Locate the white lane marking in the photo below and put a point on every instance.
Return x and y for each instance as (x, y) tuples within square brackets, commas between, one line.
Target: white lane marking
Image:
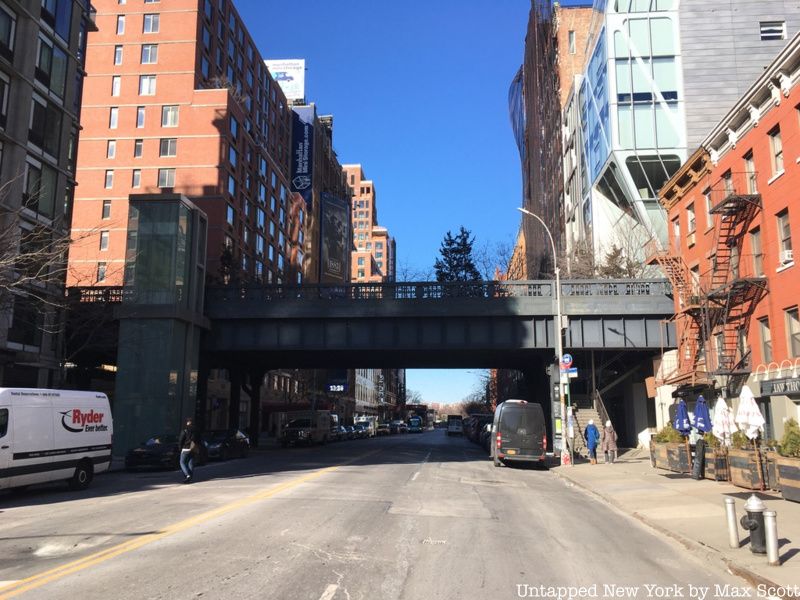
[(329, 592), (8, 582), (414, 478)]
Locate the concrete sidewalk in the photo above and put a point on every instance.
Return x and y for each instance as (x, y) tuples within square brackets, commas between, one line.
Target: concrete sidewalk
[(693, 512)]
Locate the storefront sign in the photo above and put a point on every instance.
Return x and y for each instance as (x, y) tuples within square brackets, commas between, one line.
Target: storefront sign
[(780, 387)]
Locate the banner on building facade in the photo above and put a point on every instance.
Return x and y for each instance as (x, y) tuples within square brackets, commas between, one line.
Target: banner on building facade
[(335, 238), (303, 152)]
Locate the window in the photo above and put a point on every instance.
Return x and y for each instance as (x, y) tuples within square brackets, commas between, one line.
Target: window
[(117, 55), (101, 272), (103, 240), (116, 84), (111, 149), (234, 128), (8, 24), (3, 100), (40, 188), (51, 67), (169, 116), (229, 214), (784, 237), (149, 54), (360, 261), (766, 340), (772, 30), (109, 183), (777, 150), (691, 220), (136, 178), (232, 156), (147, 85), (758, 257), (168, 147), (45, 126), (166, 178), (113, 117), (140, 116), (3, 421), (793, 331), (151, 23), (571, 37), (750, 173), (137, 148), (120, 24), (106, 209), (151, 1)]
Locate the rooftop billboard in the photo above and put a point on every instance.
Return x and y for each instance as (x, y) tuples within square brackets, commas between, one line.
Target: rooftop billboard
[(290, 74)]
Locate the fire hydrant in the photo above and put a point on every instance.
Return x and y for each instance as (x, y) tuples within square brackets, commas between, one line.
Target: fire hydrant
[(753, 521)]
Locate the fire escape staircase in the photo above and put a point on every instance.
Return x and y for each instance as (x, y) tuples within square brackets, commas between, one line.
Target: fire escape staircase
[(689, 319), (732, 296)]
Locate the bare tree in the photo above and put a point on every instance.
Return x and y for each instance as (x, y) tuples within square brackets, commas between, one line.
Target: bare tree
[(414, 397), (493, 258), (578, 262), (407, 272)]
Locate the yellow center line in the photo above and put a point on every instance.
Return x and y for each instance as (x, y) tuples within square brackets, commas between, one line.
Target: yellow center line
[(40, 579)]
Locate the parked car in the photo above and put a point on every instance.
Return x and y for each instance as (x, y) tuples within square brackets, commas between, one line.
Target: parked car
[(351, 432), (159, 451), (223, 444), (383, 429), (403, 427), (394, 427), (519, 433), (343, 433)]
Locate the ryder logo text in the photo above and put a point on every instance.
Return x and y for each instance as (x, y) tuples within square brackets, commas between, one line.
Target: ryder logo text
[(77, 421)]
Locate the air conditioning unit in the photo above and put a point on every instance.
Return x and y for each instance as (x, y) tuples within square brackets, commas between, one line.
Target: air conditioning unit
[(691, 239), (786, 257)]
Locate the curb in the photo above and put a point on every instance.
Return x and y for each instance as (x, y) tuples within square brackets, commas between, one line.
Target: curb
[(694, 546)]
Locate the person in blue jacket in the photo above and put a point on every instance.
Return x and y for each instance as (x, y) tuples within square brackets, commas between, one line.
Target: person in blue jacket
[(592, 436)]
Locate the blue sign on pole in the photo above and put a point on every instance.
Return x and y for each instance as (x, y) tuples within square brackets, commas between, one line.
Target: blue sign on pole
[(566, 361)]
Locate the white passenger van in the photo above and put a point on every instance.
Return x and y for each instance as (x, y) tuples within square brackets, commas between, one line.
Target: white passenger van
[(52, 435)]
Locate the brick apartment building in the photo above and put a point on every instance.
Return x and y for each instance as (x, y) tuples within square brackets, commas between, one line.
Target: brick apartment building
[(373, 258), (733, 213), (42, 49), (178, 99)]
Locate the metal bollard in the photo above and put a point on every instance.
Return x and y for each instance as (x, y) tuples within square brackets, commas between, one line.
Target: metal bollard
[(733, 528), (771, 529), (753, 521)]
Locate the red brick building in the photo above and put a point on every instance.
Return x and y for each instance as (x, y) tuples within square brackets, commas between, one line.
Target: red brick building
[(178, 99), (734, 211)]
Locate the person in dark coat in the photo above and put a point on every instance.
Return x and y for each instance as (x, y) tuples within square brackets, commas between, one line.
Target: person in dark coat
[(592, 437), (187, 444), (609, 443)]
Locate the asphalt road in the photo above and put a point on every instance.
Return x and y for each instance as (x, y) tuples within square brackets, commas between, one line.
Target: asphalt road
[(411, 516)]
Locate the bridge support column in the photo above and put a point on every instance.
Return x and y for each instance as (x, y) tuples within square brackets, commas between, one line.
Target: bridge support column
[(256, 377), (235, 400)]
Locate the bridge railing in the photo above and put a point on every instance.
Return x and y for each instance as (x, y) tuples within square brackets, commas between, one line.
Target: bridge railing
[(438, 291)]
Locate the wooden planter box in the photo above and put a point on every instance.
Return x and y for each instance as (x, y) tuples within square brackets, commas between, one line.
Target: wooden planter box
[(669, 456), (716, 465), (789, 477), (744, 469)]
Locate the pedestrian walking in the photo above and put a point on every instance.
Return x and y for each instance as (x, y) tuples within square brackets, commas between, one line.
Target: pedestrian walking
[(592, 437), (609, 443), (188, 445)]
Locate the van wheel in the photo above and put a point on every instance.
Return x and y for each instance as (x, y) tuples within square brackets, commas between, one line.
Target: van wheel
[(84, 473)]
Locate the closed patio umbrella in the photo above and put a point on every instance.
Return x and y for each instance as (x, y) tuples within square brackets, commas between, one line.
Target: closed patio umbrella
[(681, 422), (751, 421), (748, 416), (702, 420), (723, 421)]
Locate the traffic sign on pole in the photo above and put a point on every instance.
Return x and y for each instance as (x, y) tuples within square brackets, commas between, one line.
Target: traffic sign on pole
[(566, 361)]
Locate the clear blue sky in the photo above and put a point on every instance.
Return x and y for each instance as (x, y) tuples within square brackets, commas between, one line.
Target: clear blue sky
[(419, 95)]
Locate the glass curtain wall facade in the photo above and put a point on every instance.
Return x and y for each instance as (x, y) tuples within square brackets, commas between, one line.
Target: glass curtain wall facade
[(633, 124)]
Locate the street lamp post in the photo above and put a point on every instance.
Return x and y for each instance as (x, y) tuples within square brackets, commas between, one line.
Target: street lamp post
[(559, 342)]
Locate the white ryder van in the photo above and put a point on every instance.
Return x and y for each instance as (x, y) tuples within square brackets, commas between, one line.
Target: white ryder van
[(52, 435)]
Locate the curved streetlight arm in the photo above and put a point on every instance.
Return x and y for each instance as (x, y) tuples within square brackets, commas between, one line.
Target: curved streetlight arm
[(549, 235)]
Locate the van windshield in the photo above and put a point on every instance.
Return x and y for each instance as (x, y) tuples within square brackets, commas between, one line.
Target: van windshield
[(516, 418), (300, 423)]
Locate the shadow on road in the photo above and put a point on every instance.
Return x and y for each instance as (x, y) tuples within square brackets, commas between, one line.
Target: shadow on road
[(402, 449)]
